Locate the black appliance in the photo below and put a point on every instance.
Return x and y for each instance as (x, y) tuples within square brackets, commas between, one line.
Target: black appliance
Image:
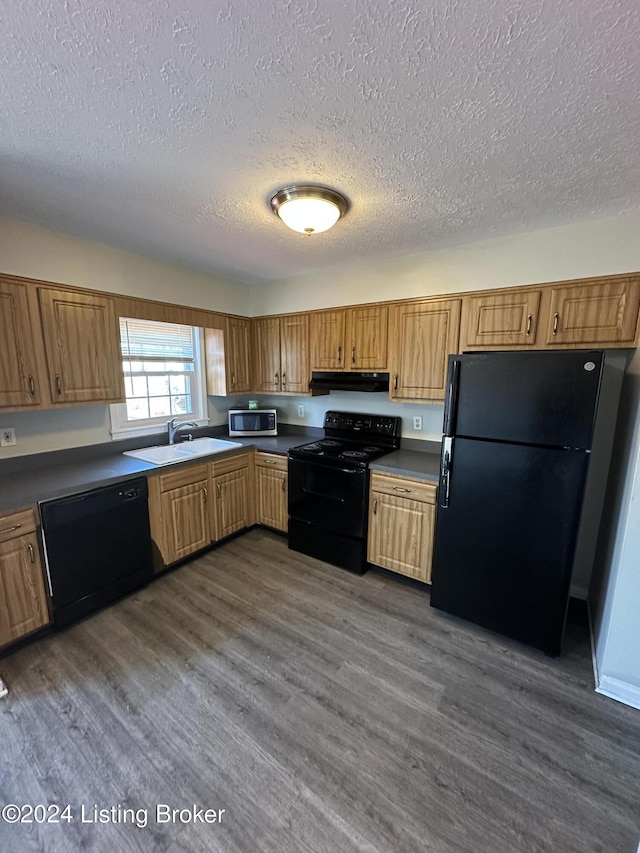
[(97, 547), (322, 382), (525, 458), (329, 487)]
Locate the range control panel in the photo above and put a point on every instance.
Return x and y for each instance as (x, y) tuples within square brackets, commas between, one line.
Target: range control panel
[(359, 424)]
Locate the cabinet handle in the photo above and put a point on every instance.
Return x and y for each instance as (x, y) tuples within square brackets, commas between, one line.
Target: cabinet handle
[(10, 529), (529, 321), (284, 379), (398, 489), (269, 461), (205, 492), (32, 387), (556, 317), (284, 485), (218, 490), (375, 507), (353, 355), (233, 379), (276, 380), (32, 556), (395, 383), (339, 355), (58, 384)]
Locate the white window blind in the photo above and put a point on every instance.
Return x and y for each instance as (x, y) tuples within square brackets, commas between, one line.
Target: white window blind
[(146, 341)]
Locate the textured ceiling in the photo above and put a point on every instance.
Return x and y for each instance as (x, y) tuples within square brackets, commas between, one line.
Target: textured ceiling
[(164, 127)]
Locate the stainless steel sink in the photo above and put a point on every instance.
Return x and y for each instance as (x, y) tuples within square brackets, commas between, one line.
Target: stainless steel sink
[(167, 454)]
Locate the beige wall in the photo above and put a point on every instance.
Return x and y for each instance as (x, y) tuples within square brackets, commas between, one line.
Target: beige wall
[(40, 253), (600, 247)]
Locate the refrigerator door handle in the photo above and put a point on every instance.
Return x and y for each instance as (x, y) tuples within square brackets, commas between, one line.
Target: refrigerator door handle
[(445, 472), (451, 404)]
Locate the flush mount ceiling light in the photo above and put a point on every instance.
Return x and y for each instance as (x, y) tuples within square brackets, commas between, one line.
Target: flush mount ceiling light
[(309, 209)]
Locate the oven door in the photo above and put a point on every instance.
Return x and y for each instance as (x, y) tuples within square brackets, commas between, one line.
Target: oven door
[(328, 496)]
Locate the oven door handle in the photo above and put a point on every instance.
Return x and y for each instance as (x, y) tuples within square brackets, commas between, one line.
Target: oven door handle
[(310, 463)]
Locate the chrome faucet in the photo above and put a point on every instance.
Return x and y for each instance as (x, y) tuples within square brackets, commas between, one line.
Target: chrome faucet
[(173, 428)]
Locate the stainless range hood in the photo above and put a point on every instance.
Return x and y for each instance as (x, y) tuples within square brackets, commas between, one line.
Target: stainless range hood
[(323, 382)]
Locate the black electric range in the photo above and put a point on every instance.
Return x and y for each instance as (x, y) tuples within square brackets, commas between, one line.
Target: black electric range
[(329, 487)]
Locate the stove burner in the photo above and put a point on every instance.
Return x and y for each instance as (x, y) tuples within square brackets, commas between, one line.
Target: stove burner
[(327, 442), (354, 454), (312, 448)]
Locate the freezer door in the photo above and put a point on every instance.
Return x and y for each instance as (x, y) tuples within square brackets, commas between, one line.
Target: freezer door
[(547, 398), (505, 543)]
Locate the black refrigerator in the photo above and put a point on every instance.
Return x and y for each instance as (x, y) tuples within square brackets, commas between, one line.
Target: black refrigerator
[(525, 455)]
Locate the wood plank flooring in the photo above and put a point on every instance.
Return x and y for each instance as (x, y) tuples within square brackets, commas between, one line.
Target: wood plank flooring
[(323, 711)]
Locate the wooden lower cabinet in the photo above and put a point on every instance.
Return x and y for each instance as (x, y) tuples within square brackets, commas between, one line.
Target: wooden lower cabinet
[(23, 601), (232, 495), (271, 491), (401, 525)]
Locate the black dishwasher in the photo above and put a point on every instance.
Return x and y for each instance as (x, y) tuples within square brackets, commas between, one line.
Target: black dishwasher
[(97, 547)]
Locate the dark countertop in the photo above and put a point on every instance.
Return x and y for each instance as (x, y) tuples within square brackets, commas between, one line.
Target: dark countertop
[(31, 482), (410, 463)]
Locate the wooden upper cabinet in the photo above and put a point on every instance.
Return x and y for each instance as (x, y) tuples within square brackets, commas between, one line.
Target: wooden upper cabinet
[(501, 319), (422, 335), (281, 354), (20, 376), (266, 343), (238, 360), (351, 339), (82, 340), (294, 353), (367, 338), (603, 312), (228, 357), (328, 340)]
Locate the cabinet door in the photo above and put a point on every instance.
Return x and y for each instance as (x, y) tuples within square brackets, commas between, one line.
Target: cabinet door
[(238, 363), (368, 338), (231, 496), (294, 353), (272, 497), (185, 520), (328, 340), (23, 603), (423, 334), (266, 342), (19, 375), (401, 535), (82, 340), (601, 313), (501, 319)]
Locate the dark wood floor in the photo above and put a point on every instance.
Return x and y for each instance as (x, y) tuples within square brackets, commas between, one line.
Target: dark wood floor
[(323, 711)]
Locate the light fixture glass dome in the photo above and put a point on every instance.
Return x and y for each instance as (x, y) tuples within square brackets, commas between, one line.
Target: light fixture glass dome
[(309, 209)]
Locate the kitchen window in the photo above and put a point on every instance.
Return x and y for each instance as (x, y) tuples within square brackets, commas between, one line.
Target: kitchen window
[(163, 376)]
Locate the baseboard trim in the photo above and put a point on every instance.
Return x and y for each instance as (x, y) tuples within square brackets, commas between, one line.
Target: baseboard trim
[(621, 691)]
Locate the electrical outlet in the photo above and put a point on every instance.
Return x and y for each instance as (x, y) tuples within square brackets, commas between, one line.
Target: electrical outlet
[(8, 437), (300, 411), (417, 422)]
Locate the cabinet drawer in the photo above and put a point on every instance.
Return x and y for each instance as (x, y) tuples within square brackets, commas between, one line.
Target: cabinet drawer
[(183, 476), (229, 464), (272, 460), (415, 490), (17, 524)]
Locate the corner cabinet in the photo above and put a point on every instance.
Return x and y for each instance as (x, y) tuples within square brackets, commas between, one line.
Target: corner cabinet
[(23, 602), (422, 335), (402, 516), (272, 491), (281, 347), (350, 339), (228, 359), (82, 341)]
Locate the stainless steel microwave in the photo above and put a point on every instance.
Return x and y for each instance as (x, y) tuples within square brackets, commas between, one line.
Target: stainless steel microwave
[(253, 422)]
